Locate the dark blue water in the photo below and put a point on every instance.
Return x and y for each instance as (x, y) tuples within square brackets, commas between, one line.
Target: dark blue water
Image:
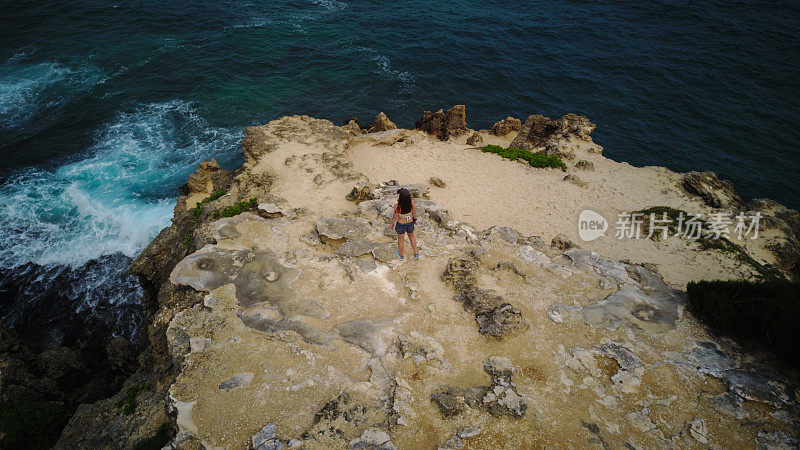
[(106, 108)]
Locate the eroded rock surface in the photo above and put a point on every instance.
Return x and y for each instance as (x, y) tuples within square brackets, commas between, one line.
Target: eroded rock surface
[(305, 330)]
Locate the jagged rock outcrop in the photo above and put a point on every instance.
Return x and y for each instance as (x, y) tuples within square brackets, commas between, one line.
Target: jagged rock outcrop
[(200, 182), (714, 192), (506, 126), (539, 131), (444, 125), (381, 123)]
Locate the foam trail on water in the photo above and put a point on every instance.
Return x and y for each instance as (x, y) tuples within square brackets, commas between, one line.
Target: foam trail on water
[(28, 88)]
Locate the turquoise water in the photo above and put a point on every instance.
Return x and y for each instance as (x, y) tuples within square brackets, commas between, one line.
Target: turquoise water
[(107, 107)]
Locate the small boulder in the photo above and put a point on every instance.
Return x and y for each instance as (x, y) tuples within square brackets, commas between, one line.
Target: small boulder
[(506, 126), (381, 123), (584, 165), (575, 180), (562, 242), (373, 438), (436, 181), (475, 139)]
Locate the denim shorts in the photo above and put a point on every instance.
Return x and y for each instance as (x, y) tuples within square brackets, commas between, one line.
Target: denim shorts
[(404, 227)]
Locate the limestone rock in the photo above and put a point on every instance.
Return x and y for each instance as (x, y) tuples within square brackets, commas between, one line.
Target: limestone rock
[(237, 381), (575, 180), (475, 139), (697, 429), (336, 228), (539, 130), (431, 122), (498, 399), (381, 123), (373, 438), (562, 242), (455, 121), (352, 126), (361, 191), (506, 126), (266, 439), (714, 192), (443, 125), (436, 181), (501, 322), (200, 181), (584, 165)]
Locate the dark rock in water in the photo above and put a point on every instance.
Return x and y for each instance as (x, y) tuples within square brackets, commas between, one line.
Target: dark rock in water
[(44, 389), (506, 126), (444, 125), (57, 305), (714, 192)]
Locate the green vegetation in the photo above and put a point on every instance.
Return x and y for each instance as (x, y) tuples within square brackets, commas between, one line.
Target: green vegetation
[(534, 159), (188, 239), (197, 210), (29, 423), (235, 209), (128, 402), (722, 244), (762, 311)]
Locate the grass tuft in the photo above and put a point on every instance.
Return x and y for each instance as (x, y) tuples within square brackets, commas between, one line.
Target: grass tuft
[(534, 159), (235, 209), (128, 402)]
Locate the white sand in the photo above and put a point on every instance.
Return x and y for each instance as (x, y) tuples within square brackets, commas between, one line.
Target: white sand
[(484, 189)]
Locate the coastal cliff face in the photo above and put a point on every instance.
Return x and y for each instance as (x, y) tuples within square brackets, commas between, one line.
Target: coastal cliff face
[(293, 323)]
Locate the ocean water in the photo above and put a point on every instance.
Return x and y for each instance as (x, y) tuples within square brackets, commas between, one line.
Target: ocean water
[(107, 107)]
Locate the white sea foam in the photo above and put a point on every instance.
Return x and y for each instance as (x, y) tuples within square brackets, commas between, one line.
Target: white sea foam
[(117, 197)]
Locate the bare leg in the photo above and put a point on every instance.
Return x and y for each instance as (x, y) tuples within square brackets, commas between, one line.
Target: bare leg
[(413, 240), (400, 244)]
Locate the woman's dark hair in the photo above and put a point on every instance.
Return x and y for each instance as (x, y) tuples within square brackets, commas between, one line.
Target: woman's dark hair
[(404, 200)]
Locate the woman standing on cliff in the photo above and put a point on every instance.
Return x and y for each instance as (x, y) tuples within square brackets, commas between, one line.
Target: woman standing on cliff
[(405, 216)]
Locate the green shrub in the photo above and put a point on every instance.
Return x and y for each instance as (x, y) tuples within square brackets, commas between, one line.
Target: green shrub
[(762, 311), (128, 402), (534, 159), (188, 239), (236, 209), (29, 423), (197, 210)]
